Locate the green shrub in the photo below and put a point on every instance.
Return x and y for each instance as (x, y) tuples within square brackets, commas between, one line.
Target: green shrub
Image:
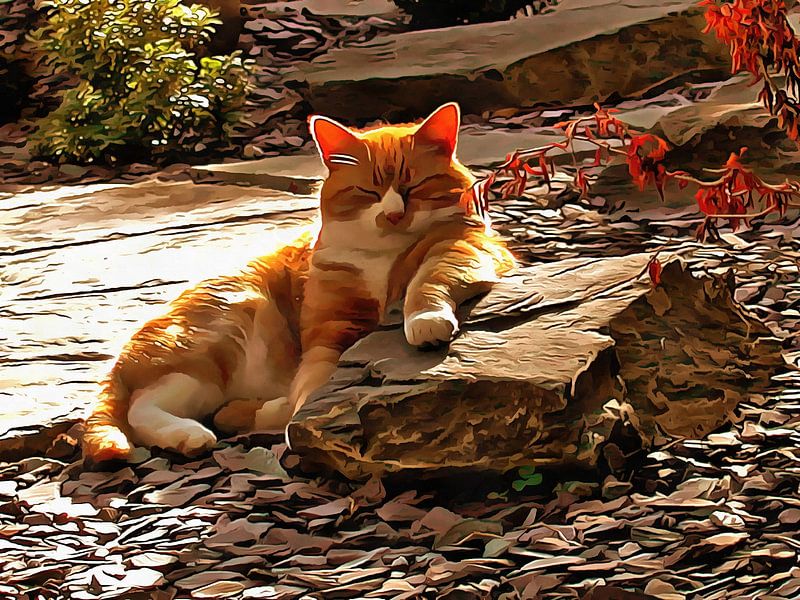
[(143, 91)]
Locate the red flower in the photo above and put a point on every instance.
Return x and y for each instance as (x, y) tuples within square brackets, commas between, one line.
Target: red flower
[(645, 154), (760, 38)]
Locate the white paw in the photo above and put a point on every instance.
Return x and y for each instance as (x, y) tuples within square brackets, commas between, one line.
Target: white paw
[(187, 437), (275, 414), (431, 326)]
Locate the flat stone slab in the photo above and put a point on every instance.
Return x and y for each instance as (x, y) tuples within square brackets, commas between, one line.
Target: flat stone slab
[(84, 266), (554, 364), (477, 147), (586, 50)]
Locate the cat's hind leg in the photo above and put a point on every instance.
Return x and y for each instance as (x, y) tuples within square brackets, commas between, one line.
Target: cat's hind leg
[(166, 413)]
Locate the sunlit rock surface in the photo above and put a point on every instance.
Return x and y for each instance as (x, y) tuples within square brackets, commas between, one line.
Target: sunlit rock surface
[(552, 365)]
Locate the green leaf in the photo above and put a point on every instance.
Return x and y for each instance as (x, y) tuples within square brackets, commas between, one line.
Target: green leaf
[(534, 479), (529, 478)]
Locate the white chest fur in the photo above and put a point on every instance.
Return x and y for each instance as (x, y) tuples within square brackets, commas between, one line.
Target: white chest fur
[(362, 244)]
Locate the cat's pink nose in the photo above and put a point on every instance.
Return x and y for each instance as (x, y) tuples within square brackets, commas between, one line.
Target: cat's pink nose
[(394, 217)]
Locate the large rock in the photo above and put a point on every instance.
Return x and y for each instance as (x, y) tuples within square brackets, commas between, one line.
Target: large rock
[(584, 51), (551, 365)]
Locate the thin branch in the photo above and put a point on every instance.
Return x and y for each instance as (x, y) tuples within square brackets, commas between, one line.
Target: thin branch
[(745, 216)]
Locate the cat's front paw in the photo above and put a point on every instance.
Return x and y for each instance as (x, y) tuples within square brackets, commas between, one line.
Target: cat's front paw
[(431, 326)]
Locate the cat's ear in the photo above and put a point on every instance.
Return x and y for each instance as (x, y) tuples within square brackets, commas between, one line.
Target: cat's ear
[(440, 129), (335, 142)]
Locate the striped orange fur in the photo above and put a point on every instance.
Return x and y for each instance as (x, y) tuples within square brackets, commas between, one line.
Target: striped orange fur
[(397, 232)]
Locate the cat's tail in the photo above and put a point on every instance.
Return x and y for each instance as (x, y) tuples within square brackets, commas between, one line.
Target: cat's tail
[(104, 436)]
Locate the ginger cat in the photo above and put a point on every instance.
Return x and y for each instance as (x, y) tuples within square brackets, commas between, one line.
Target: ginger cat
[(398, 227)]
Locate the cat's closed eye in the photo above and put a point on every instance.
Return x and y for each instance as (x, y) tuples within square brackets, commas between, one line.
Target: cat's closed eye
[(430, 188), (373, 194)]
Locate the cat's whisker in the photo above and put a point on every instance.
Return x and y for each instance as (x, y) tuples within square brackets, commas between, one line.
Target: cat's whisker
[(343, 159)]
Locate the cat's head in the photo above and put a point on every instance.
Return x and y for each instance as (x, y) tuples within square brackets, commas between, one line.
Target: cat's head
[(396, 177)]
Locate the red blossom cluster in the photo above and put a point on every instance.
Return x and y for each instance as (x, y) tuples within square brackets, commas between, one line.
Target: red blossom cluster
[(606, 126), (760, 39), (520, 168), (737, 195), (645, 153)]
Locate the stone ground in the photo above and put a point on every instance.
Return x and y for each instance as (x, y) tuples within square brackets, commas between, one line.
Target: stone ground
[(82, 264)]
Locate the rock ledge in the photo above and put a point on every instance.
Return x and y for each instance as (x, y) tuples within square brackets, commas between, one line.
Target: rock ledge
[(554, 363)]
